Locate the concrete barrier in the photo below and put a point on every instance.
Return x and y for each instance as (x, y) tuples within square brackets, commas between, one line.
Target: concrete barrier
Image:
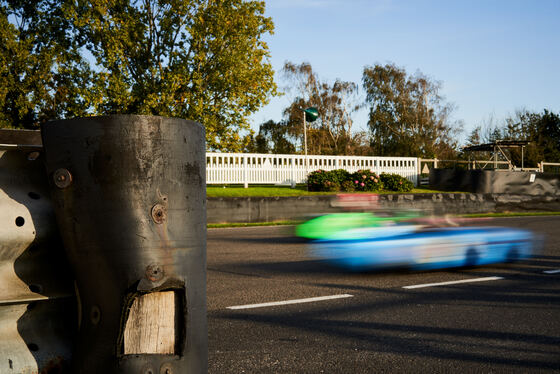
[(269, 209)]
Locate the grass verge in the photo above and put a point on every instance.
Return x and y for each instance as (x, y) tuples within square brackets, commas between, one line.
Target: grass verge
[(510, 214), (271, 191), (481, 215)]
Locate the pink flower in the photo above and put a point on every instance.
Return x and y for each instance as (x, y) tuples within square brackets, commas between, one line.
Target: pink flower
[(356, 182), (400, 182), (363, 176), (371, 177), (375, 180), (362, 184)]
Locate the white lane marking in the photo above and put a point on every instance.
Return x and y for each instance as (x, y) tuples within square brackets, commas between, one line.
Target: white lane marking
[(551, 271), (286, 302), (453, 282)]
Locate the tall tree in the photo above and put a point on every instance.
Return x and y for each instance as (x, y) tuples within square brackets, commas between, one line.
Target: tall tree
[(275, 137), (332, 132), (407, 115), (541, 129), (204, 60), (42, 73)]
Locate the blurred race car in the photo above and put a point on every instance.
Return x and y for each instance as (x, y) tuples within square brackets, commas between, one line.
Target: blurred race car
[(422, 248), (362, 211), (326, 225)]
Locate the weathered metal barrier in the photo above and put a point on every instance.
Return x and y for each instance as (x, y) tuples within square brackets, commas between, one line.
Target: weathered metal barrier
[(128, 194), (38, 314)]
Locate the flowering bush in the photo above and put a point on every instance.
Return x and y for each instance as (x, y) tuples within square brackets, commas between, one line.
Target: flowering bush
[(362, 180), (395, 182), (366, 180)]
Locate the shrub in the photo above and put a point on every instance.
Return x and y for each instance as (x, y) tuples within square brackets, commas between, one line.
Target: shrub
[(339, 176), (394, 182), (366, 180), (347, 186), (316, 180), (331, 181)]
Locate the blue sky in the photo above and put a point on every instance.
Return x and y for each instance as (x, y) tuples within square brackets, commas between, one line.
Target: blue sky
[(492, 57)]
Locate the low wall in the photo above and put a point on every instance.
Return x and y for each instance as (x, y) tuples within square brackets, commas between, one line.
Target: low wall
[(269, 209)]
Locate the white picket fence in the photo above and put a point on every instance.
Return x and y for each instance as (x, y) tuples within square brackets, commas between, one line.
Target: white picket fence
[(256, 168)]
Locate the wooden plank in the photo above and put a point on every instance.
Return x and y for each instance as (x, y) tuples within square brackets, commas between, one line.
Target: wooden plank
[(150, 327)]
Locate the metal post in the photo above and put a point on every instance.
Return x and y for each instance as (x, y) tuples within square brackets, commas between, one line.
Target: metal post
[(522, 163), (129, 198)]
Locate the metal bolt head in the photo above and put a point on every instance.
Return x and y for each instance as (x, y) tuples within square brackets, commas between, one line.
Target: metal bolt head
[(166, 368), (154, 273), (62, 178), (159, 213)]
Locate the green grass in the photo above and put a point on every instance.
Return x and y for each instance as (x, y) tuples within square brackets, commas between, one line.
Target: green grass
[(481, 215), (276, 223), (270, 191), (510, 214)]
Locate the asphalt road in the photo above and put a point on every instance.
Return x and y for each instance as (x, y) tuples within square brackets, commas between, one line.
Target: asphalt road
[(372, 324)]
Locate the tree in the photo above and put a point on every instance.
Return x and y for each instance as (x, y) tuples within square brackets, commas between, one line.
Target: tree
[(203, 60), (331, 133), (407, 115), (274, 137), (42, 74), (541, 129)]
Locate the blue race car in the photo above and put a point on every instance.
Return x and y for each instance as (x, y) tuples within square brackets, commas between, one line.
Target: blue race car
[(423, 248)]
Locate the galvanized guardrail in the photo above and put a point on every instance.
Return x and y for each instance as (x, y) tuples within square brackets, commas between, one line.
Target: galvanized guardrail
[(103, 247), (38, 310)]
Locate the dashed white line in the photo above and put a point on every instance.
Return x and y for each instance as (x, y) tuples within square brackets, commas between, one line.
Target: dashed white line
[(453, 282), (551, 271), (287, 302)]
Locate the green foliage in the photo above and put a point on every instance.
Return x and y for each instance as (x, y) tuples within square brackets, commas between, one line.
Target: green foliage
[(195, 59), (407, 116), (342, 180), (361, 181), (395, 182), (42, 74), (273, 137), (348, 186), (541, 129), (339, 175), (331, 133), (320, 180)]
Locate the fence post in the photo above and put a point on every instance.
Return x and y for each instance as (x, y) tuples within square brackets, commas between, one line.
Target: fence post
[(292, 173), (140, 266), (245, 182)]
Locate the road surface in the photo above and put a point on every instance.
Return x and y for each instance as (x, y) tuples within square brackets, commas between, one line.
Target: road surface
[(271, 309)]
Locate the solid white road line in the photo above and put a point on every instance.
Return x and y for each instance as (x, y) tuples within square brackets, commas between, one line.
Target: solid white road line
[(453, 282), (551, 271), (286, 302)]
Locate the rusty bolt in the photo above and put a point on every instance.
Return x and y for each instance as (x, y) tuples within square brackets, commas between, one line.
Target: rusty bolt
[(159, 213), (154, 273), (62, 178)]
